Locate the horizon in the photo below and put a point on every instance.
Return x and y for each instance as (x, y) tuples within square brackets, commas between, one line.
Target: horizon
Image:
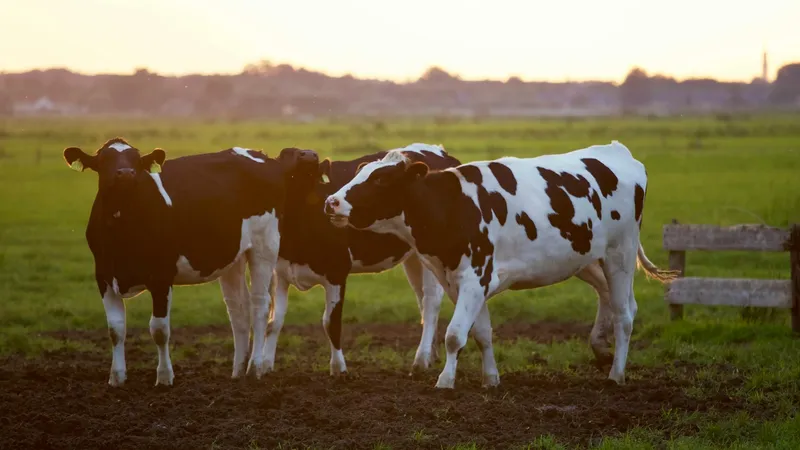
[(350, 37)]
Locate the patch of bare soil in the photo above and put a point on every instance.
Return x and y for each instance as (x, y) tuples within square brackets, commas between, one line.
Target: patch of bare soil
[(61, 400)]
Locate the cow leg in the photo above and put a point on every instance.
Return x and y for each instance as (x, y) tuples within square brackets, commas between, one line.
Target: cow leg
[(115, 317), (261, 273), (482, 333), (160, 331), (619, 267), (280, 303), (594, 276), (332, 323), (235, 292), (470, 301), (429, 298)]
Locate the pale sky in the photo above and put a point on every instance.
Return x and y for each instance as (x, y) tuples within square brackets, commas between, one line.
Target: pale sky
[(532, 39)]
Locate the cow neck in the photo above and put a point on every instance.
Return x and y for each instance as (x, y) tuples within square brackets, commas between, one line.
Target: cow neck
[(425, 207)]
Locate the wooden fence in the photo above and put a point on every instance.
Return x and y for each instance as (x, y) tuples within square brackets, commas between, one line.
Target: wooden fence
[(679, 238)]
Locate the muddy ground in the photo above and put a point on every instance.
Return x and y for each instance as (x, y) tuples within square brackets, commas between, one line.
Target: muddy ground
[(61, 399)]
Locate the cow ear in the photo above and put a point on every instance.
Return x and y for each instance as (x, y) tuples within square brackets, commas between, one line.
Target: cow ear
[(78, 160), (152, 161), (416, 170), (325, 170)]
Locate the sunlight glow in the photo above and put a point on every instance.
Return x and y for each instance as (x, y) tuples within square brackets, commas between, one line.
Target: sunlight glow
[(536, 40)]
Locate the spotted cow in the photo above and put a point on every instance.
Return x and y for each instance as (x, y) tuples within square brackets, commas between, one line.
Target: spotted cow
[(510, 224), (314, 252), (197, 219)]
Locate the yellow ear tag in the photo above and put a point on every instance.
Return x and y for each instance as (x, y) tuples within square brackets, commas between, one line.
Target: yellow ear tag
[(325, 179), (155, 168), (76, 165)]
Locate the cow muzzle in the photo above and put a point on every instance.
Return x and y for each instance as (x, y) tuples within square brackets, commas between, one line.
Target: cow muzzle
[(308, 156), (338, 215)]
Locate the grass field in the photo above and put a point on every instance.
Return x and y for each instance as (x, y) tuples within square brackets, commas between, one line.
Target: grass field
[(739, 368)]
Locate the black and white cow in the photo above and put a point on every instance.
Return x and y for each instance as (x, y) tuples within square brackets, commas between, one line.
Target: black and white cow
[(194, 220), (314, 252), (511, 223)]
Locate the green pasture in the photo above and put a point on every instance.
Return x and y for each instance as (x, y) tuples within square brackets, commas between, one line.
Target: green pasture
[(706, 170)]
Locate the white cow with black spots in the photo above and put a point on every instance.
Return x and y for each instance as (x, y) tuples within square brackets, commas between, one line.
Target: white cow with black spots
[(512, 223)]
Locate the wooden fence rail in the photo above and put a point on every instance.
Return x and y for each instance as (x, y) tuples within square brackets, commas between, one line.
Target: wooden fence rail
[(678, 238)]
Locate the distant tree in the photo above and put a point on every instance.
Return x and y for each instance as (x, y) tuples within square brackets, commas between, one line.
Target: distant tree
[(263, 67), (142, 91), (786, 88), (635, 91), (437, 75), (514, 81)]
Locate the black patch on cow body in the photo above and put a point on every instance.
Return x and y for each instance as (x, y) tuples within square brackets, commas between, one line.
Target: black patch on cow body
[(596, 204), (211, 195), (607, 181), (638, 201), (615, 215), (448, 225), (558, 185), (527, 223), (505, 177), (471, 174), (491, 204)]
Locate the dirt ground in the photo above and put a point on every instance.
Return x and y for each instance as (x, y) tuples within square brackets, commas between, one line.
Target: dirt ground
[(61, 399)]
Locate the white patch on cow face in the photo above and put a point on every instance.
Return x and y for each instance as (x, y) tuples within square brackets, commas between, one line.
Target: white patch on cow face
[(119, 146), (157, 178), (243, 152)]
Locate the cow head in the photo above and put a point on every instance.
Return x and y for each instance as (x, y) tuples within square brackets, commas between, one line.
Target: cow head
[(117, 163), (301, 167), (376, 193)]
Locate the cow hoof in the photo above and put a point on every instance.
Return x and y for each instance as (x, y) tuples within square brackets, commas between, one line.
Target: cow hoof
[(338, 372), (338, 368), (422, 362), (445, 382), (116, 378), (491, 380), (164, 378), (619, 379), (238, 371), (255, 370)]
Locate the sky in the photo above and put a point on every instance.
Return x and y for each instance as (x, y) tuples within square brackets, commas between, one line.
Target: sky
[(398, 40)]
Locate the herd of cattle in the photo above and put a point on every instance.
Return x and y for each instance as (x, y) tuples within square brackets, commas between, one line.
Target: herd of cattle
[(469, 230)]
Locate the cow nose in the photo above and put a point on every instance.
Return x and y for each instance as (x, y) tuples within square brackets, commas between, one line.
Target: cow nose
[(330, 204), (125, 173), (308, 155)]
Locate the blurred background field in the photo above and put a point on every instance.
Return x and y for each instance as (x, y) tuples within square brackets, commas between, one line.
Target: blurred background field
[(704, 169)]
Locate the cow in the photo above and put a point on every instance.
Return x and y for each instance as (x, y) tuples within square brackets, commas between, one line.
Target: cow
[(314, 252), (190, 220), (510, 224)]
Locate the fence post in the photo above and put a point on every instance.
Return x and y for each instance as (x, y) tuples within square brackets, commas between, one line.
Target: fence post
[(677, 261), (794, 258)]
